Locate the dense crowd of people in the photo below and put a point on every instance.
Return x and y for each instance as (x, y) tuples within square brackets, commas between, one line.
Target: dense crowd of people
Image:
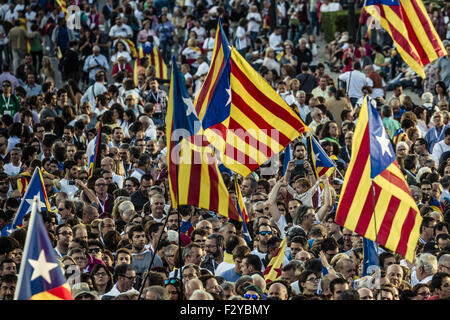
[(117, 235)]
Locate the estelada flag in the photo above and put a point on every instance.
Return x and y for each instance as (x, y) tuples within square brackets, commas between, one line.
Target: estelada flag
[(40, 276), (273, 270), (194, 178), (243, 117), (375, 198)]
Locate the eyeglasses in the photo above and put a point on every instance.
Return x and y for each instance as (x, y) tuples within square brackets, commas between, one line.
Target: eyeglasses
[(100, 274), (129, 277), (171, 281), (101, 185), (66, 233), (260, 210), (61, 209), (263, 233), (253, 296), (92, 250), (6, 85)]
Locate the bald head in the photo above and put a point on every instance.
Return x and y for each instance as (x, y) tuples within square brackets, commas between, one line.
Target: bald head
[(192, 285)]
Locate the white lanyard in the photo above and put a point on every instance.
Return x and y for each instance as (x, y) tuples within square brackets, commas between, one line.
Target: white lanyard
[(102, 205), (157, 96), (7, 102), (440, 135)]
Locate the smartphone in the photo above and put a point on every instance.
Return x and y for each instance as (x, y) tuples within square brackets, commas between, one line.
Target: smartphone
[(299, 162), (71, 182)]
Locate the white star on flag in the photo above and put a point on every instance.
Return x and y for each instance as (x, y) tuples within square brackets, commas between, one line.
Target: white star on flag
[(40, 203), (41, 268), (384, 142), (229, 96), (190, 106), (317, 157)]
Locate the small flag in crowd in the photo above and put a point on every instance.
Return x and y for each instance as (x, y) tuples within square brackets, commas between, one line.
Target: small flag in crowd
[(40, 276), (240, 205), (273, 270), (370, 260), (35, 188), (94, 158), (286, 158), (319, 158), (375, 198), (435, 205), (399, 135)]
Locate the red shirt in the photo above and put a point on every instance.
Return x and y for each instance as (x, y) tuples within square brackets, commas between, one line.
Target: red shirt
[(351, 54)]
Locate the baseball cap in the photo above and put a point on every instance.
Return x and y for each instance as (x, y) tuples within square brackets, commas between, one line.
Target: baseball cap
[(82, 288)]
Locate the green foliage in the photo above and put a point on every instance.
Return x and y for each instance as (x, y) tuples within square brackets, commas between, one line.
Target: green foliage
[(336, 21)]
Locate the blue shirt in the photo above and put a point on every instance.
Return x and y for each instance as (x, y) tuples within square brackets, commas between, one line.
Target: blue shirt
[(433, 136), (230, 275)]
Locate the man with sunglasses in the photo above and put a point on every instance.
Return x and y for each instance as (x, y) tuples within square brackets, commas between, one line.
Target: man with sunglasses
[(9, 103), (263, 234), (126, 279)]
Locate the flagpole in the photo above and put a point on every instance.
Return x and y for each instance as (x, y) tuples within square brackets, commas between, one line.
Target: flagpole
[(23, 263)]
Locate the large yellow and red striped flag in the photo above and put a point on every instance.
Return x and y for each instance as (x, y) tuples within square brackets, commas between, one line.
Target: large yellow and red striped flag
[(273, 270), (242, 115), (375, 199), (194, 178), (410, 28)]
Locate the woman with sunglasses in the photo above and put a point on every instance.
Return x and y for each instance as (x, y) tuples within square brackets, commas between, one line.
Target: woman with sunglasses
[(252, 292), (102, 279), (174, 287)]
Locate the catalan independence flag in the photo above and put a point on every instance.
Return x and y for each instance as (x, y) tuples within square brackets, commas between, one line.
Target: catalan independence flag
[(194, 178), (273, 270), (319, 158), (94, 159), (411, 29), (155, 60), (375, 199), (435, 205), (242, 115), (40, 276), (34, 188), (240, 205), (399, 135)]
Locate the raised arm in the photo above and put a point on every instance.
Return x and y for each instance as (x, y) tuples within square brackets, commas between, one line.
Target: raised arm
[(327, 197)]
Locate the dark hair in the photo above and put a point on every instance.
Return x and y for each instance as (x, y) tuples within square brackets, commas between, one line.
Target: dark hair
[(335, 282)]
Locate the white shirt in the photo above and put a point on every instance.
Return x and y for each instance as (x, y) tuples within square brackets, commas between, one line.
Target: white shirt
[(115, 291), (201, 33), (68, 188), (438, 149), (357, 80), (123, 31), (11, 170), (254, 26), (331, 7), (209, 44), (275, 42), (94, 60), (241, 38), (92, 92)]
